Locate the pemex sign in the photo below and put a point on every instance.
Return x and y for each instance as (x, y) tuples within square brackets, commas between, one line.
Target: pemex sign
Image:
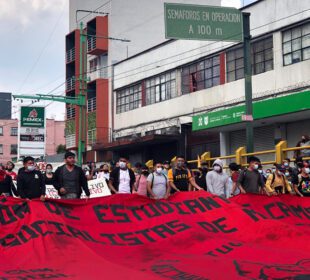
[(32, 116), (198, 22), (32, 132)]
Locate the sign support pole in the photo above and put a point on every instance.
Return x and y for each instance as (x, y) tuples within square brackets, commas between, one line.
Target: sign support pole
[(248, 80)]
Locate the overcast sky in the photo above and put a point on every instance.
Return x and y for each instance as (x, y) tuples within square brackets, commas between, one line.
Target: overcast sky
[(32, 56)]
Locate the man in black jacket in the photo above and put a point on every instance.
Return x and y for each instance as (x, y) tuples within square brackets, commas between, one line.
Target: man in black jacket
[(70, 179), (122, 178), (30, 182)]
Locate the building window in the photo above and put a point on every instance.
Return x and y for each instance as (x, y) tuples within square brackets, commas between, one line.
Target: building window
[(160, 88), (13, 149), (262, 56), (234, 65), (91, 136), (201, 75), (93, 63), (1, 130), (1, 149), (14, 131), (296, 44), (129, 98)]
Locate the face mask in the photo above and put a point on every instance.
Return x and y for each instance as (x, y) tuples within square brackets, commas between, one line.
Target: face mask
[(286, 164), (307, 170), (273, 169), (122, 164), (49, 171), (287, 174), (159, 170), (255, 166), (260, 171), (217, 168), (31, 168), (180, 164)]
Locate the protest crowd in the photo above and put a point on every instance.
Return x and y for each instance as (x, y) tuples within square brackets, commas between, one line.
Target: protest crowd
[(160, 181)]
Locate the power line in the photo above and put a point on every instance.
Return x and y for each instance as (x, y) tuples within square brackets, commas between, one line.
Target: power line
[(42, 51), (207, 45)]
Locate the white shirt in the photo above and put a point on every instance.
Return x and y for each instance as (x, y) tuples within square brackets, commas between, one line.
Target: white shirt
[(124, 181), (102, 175)]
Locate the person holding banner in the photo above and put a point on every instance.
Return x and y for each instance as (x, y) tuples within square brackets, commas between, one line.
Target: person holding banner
[(157, 183), (122, 178), (9, 170), (6, 184), (49, 175), (30, 182), (70, 179)]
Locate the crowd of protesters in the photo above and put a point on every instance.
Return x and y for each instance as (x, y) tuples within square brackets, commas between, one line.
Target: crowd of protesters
[(159, 182)]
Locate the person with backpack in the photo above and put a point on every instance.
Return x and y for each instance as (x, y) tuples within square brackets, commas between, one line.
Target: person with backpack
[(277, 183), (140, 185), (303, 186), (250, 181), (157, 183), (180, 178)]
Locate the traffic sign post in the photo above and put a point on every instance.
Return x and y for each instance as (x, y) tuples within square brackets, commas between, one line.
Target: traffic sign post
[(198, 22)]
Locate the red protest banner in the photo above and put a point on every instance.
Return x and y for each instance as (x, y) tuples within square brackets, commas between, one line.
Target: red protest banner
[(190, 236)]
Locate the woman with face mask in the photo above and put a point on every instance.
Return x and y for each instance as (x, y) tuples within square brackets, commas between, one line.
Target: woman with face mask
[(49, 175), (277, 183), (140, 185), (303, 187)]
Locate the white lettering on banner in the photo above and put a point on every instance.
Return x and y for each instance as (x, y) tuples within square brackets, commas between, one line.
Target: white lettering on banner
[(97, 188)]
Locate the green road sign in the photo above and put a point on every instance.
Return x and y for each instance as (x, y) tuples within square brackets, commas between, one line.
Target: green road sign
[(197, 22), (32, 116), (261, 109)]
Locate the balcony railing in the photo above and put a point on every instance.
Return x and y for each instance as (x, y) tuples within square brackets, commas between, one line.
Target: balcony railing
[(70, 83), (70, 141), (91, 104), (91, 136), (70, 113), (91, 44), (70, 55)]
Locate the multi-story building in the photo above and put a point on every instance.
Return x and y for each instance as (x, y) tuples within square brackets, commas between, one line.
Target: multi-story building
[(5, 105), (188, 96), (55, 136), (140, 22)]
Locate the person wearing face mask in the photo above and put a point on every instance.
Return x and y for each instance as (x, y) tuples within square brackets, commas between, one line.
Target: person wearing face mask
[(277, 183), (9, 170), (49, 175), (180, 178), (250, 181), (267, 173), (201, 179), (140, 185), (304, 142), (217, 180), (303, 186), (157, 183), (166, 167), (104, 172), (122, 178), (30, 182)]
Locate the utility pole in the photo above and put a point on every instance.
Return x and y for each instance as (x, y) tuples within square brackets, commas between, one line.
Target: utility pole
[(80, 100), (248, 82)]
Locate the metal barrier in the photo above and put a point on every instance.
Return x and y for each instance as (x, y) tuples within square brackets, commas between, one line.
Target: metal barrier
[(240, 156)]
